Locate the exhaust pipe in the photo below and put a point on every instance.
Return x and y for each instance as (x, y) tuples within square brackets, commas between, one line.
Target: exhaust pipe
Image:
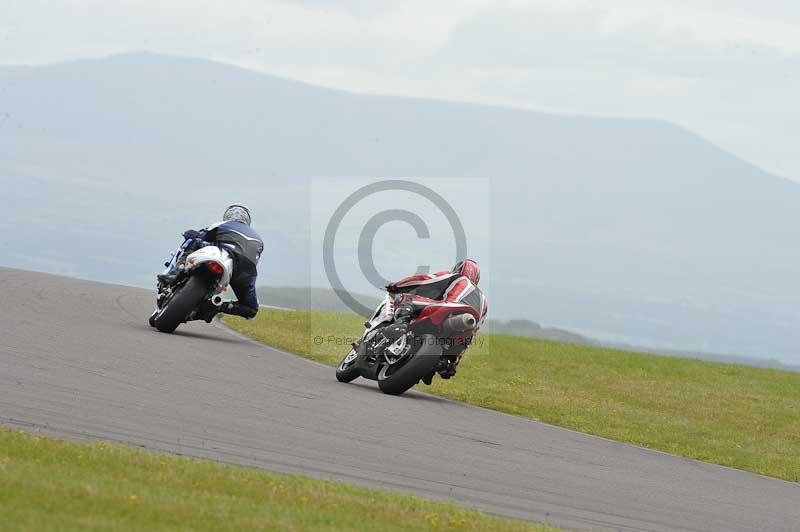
[(458, 324), (217, 300)]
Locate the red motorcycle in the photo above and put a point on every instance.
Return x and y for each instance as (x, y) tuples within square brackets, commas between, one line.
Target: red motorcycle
[(434, 340)]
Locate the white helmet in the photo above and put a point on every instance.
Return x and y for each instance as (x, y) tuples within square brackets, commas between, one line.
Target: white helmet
[(237, 212)]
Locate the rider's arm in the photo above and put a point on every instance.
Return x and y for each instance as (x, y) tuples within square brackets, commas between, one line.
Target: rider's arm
[(456, 290), (200, 239), (413, 281), (417, 300)]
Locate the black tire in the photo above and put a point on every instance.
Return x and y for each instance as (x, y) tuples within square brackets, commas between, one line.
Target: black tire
[(347, 371), (409, 374), (181, 304)]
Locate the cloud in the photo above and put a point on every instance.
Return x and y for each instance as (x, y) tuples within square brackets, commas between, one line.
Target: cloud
[(591, 38), (732, 86), (726, 69)]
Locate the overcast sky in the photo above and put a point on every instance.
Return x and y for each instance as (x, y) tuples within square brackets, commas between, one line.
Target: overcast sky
[(728, 70)]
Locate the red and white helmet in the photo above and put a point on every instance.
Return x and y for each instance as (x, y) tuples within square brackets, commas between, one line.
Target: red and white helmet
[(469, 269)]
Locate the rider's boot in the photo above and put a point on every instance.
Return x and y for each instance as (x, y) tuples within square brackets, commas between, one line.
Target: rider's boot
[(448, 367), (167, 279), (448, 371), (237, 309), (402, 317)]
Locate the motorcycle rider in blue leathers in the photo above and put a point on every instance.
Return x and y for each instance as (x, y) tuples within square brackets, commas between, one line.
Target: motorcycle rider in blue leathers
[(245, 245)]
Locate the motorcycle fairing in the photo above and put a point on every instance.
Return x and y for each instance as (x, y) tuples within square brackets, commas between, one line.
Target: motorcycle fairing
[(213, 254)]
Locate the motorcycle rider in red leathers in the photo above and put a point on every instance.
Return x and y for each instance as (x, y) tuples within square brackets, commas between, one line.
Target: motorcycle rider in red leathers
[(458, 285)]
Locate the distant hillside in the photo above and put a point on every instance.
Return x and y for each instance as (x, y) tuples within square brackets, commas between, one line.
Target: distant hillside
[(532, 329), (632, 231), (308, 298), (326, 300)]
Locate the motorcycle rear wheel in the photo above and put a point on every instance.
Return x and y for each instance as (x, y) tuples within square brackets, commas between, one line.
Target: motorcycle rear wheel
[(405, 377), (181, 304)]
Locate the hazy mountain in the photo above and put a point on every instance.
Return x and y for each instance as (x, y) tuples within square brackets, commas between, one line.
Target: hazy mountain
[(307, 298), (626, 230), (289, 297)]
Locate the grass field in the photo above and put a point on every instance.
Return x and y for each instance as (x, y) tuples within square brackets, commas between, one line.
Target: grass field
[(50, 484), (739, 416)]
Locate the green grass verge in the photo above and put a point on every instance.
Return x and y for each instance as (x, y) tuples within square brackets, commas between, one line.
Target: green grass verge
[(739, 416), (51, 484)]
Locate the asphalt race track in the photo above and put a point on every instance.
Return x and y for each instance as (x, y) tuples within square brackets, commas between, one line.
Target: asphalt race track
[(77, 359)]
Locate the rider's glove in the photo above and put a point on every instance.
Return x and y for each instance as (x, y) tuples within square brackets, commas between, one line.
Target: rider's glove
[(390, 288), (404, 312), (190, 234)]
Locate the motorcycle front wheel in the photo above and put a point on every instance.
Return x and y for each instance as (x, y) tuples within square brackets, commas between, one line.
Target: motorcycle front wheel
[(347, 370), (181, 304)]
